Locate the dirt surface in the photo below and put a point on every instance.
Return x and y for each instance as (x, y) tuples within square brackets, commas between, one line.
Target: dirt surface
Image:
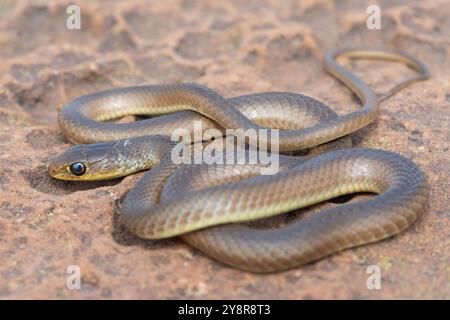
[(234, 47)]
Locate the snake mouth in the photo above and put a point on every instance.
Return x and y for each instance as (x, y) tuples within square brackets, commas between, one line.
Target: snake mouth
[(52, 172), (63, 173), (60, 173)]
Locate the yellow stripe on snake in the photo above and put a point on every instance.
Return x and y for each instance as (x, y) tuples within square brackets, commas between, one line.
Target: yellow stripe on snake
[(206, 204)]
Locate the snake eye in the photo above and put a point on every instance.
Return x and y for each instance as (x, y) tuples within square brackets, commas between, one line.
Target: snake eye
[(77, 168)]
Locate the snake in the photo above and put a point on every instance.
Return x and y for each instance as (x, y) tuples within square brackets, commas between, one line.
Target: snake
[(213, 207)]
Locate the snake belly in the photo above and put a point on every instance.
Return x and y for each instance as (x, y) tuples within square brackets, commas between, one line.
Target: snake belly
[(204, 204)]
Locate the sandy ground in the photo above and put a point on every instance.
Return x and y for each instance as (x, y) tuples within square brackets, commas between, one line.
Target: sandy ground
[(234, 47)]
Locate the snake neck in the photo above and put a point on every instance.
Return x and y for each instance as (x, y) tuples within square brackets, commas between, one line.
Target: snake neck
[(141, 153)]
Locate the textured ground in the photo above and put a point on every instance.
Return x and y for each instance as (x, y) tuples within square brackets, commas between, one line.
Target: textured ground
[(235, 47)]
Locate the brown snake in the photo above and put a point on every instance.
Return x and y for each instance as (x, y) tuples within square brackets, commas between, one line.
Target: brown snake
[(202, 203)]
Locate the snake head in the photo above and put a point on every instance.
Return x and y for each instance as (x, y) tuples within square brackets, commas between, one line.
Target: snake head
[(96, 161), (109, 160)]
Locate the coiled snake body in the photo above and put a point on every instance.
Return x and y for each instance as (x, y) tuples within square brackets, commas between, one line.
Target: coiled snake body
[(202, 203)]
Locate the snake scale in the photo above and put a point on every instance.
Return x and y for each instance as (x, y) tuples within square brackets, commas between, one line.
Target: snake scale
[(207, 205)]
